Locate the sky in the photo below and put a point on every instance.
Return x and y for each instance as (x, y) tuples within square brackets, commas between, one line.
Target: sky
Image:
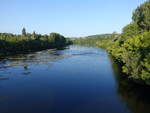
[(71, 18)]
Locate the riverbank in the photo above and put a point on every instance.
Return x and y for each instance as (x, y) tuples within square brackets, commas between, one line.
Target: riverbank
[(11, 44)]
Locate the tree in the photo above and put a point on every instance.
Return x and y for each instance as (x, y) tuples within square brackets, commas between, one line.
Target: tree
[(130, 30), (34, 35), (57, 39), (141, 16), (24, 32)]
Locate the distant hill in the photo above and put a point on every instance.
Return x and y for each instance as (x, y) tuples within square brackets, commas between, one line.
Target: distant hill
[(91, 40)]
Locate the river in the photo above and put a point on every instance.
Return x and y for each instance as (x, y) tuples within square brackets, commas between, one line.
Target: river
[(77, 79)]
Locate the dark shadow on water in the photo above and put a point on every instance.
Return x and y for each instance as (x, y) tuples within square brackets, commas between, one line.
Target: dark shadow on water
[(136, 97)]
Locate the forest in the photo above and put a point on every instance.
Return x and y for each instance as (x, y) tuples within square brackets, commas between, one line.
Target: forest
[(11, 44), (131, 48)]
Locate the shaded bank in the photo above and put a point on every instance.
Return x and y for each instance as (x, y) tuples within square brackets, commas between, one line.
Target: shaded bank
[(135, 96)]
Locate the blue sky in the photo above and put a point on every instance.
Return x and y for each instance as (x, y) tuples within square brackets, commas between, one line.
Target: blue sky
[(71, 18)]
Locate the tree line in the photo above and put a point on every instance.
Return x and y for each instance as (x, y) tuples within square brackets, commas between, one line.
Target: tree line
[(91, 40), (132, 48), (26, 42)]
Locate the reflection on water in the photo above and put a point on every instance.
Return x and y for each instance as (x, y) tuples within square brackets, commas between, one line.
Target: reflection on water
[(135, 96), (43, 57)]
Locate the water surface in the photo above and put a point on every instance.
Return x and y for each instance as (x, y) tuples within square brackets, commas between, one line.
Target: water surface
[(75, 80)]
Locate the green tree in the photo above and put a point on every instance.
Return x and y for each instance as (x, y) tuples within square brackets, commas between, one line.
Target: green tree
[(130, 30), (141, 16), (34, 35), (57, 40), (24, 32)]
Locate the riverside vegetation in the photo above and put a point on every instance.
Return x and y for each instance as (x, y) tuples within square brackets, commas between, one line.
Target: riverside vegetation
[(11, 44), (131, 48)]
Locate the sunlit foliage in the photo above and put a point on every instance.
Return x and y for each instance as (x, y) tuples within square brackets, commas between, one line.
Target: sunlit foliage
[(132, 50)]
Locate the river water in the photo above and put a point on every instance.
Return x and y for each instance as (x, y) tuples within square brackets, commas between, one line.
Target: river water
[(75, 80)]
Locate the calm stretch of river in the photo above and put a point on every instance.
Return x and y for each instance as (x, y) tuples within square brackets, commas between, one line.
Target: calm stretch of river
[(75, 80)]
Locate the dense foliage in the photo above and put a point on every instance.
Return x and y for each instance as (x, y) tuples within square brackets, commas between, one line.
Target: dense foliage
[(91, 40), (13, 44), (132, 49), (141, 16)]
